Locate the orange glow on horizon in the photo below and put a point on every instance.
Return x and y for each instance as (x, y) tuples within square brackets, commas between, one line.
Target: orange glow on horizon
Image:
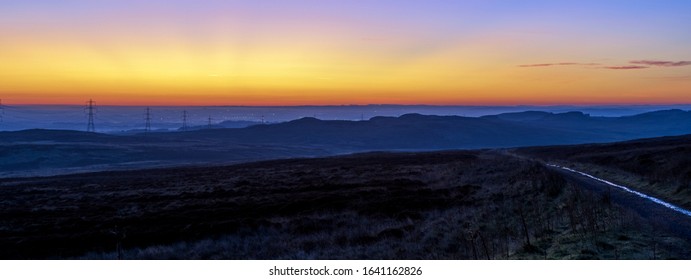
[(235, 55)]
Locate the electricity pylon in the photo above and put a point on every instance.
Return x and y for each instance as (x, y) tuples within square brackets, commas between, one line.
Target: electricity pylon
[(184, 120), (90, 108), (147, 126)]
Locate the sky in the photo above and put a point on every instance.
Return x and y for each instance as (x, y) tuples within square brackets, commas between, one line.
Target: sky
[(328, 52)]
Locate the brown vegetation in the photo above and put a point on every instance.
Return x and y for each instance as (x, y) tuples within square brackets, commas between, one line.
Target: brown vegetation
[(440, 205), (660, 166)]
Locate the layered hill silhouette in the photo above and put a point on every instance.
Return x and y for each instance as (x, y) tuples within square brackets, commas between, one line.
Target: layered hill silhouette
[(71, 151)]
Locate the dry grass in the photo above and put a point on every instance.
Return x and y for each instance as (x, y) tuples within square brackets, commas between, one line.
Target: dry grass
[(660, 167), (441, 205)]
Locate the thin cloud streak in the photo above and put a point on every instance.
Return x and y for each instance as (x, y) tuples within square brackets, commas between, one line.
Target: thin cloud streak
[(637, 64), (661, 63), (626, 67)]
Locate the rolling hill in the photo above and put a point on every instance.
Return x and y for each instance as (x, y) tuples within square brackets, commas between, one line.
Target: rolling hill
[(45, 152)]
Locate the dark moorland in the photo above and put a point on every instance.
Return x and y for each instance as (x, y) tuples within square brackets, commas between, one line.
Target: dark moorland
[(434, 205), (659, 166)]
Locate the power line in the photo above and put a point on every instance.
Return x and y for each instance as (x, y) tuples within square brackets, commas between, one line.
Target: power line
[(90, 108), (147, 126)]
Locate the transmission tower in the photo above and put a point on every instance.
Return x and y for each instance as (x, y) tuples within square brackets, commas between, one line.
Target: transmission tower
[(147, 126), (184, 120), (90, 108), (210, 121)]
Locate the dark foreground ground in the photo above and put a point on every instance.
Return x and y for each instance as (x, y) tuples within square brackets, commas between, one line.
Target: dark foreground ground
[(439, 205)]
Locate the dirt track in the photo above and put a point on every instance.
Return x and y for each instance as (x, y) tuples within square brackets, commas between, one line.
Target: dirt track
[(665, 219)]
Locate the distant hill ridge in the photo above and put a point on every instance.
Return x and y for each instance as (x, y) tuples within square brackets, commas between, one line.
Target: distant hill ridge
[(416, 131), (39, 151)]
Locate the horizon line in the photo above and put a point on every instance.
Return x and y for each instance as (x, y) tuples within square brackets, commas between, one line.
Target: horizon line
[(5, 104)]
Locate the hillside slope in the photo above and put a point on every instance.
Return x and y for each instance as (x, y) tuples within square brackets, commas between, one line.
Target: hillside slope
[(657, 166), (437, 205)]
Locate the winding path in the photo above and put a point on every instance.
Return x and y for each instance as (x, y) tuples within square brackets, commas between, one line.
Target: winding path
[(664, 215), (640, 194)]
